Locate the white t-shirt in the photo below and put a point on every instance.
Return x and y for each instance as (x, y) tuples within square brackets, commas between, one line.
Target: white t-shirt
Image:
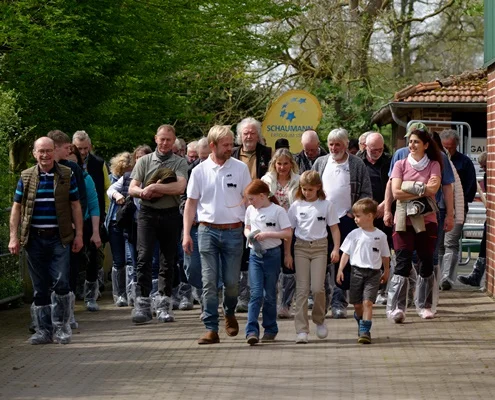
[(337, 185), (366, 249), (219, 190), (310, 218), (267, 219)]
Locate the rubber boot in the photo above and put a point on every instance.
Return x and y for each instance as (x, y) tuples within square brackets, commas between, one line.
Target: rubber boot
[(175, 298), (142, 310), (91, 295), (130, 285), (101, 280), (72, 319), (164, 309), (118, 287), (424, 296), (42, 317), (397, 298), (186, 297), (244, 294), (154, 288), (413, 277), (61, 305), (474, 278), (339, 303)]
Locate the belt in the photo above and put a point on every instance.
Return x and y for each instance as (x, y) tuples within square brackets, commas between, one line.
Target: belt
[(235, 225), (45, 233)]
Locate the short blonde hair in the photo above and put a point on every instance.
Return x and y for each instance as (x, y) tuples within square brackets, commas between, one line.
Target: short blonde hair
[(282, 152), (365, 206), (218, 132), (120, 163)]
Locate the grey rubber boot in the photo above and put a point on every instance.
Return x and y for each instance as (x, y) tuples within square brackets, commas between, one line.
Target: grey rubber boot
[(61, 305), (130, 285), (42, 317), (164, 309), (397, 298), (72, 319), (474, 278), (185, 296), (91, 294), (118, 287), (142, 310), (244, 294)]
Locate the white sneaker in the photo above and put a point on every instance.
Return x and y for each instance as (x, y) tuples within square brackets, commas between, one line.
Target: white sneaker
[(321, 331), (426, 313), (302, 338)]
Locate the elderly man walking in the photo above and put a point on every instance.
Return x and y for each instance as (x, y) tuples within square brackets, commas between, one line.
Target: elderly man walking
[(159, 220), (345, 181), (215, 191), (46, 203)]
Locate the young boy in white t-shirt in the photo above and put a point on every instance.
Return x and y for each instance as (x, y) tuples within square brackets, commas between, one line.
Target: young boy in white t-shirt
[(367, 248)]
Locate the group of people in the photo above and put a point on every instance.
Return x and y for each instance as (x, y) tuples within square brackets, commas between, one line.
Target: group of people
[(237, 223)]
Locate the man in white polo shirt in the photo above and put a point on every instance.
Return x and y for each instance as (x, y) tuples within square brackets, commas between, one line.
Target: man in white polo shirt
[(345, 181), (215, 191)]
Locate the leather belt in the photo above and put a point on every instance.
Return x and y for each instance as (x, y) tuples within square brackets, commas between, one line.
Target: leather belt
[(235, 225), (46, 233)]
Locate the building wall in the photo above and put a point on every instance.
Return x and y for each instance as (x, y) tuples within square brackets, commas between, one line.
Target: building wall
[(490, 214), (437, 115)]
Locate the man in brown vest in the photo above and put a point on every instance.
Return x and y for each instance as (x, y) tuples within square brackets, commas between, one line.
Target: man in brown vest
[(46, 203)]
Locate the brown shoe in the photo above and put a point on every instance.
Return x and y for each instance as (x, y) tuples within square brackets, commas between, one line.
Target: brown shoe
[(209, 337), (231, 325)]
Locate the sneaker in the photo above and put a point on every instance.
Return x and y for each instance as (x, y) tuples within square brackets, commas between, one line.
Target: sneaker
[(398, 316), (268, 337), (302, 338), (364, 338), (284, 312), (242, 307), (252, 339), (381, 299), (321, 331), (426, 313), (445, 285)]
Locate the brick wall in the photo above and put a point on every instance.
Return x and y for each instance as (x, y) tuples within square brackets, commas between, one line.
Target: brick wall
[(437, 115), (490, 214)]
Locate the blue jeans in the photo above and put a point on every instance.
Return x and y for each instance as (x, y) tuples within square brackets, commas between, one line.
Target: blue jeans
[(117, 242), (263, 277), (49, 267), (221, 253), (192, 262)]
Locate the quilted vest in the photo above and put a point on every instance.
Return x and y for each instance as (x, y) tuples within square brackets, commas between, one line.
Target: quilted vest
[(30, 179)]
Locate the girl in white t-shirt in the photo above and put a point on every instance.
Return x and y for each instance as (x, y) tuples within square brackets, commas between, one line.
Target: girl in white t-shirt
[(310, 215), (266, 225)]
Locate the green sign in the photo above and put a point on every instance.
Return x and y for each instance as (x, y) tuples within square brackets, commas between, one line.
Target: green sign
[(489, 32)]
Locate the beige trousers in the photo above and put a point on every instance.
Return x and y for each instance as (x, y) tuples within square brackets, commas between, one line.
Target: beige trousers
[(310, 259)]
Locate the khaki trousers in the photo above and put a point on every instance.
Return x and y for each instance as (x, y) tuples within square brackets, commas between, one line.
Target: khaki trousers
[(310, 258)]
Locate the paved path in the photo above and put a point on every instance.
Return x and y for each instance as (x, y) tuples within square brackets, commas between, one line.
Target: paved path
[(451, 357)]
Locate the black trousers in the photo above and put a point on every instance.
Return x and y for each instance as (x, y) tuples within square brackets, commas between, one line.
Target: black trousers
[(164, 226)]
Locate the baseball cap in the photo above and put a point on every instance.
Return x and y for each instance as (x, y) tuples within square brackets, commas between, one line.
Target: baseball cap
[(417, 126), (281, 143)]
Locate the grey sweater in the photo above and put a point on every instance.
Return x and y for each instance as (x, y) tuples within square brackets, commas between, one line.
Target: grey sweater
[(360, 180)]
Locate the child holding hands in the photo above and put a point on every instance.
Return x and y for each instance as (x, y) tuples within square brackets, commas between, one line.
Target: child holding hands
[(310, 215), (266, 225), (367, 249)]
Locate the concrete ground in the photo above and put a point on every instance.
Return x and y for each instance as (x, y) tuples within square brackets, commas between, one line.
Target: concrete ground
[(450, 357)]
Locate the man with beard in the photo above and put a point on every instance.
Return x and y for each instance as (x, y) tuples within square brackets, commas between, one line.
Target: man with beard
[(215, 191), (345, 181)]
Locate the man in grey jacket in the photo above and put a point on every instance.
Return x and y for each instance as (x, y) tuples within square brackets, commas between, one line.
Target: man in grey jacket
[(345, 180)]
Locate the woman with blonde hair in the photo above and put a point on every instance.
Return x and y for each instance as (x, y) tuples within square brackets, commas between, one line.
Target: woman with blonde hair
[(283, 181)]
